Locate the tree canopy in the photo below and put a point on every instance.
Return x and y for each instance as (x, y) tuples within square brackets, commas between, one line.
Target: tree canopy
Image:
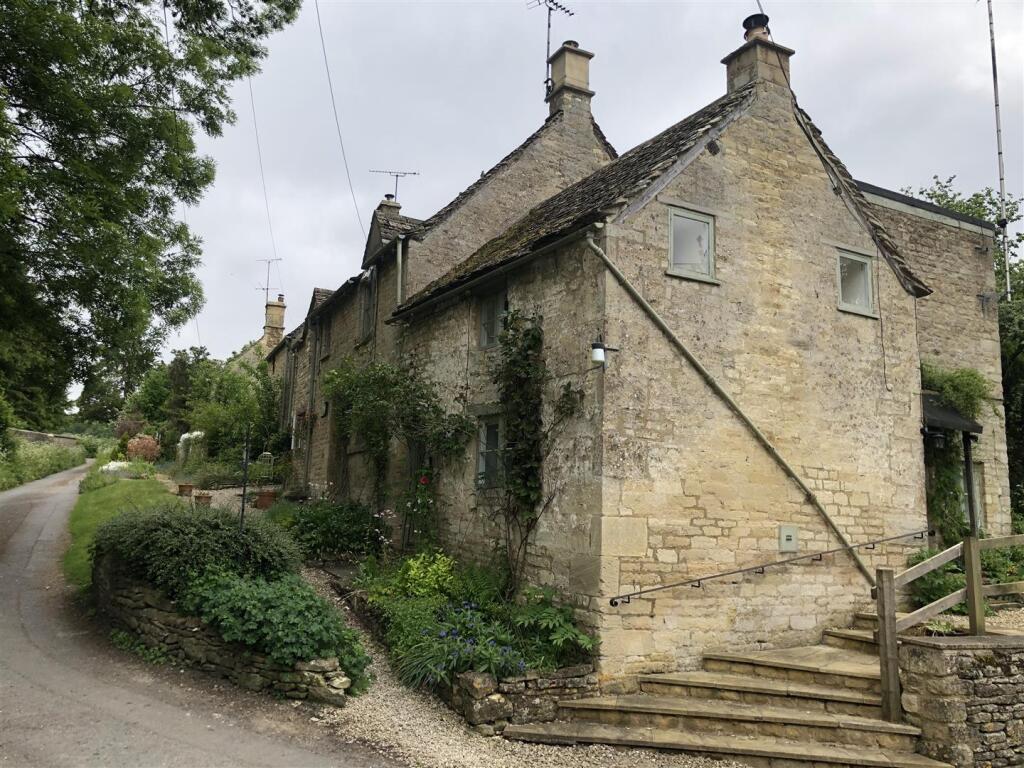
[(100, 103)]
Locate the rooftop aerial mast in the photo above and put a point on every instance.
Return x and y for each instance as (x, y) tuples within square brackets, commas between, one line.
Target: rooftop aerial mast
[(1002, 223), (552, 6)]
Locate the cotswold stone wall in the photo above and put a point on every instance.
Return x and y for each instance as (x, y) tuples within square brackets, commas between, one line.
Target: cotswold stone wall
[(687, 489), (958, 325), (489, 704), (144, 611), (967, 697)]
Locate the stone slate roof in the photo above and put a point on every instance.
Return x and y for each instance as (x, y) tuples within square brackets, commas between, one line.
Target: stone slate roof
[(609, 188), (506, 161), (393, 225), (320, 295), (590, 199)]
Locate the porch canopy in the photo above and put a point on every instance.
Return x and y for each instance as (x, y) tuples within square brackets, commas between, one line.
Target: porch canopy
[(938, 415)]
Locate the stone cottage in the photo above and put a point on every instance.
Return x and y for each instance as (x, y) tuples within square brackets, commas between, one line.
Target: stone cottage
[(763, 317)]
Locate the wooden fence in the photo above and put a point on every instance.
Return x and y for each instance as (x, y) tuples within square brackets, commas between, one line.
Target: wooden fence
[(974, 593)]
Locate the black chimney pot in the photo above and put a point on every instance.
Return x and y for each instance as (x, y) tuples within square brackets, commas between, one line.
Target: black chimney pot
[(757, 20)]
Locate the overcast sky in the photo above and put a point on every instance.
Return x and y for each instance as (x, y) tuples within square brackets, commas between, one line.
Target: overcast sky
[(901, 90)]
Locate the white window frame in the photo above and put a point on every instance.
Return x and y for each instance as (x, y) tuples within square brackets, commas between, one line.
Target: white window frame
[(869, 261), (482, 481), (500, 297), (673, 268)]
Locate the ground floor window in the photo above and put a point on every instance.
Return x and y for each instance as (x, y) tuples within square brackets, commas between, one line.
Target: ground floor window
[(489, 444)]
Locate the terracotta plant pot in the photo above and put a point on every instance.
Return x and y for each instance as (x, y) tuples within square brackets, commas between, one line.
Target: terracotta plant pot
[(185, 489), (203, 499), (265, 499)]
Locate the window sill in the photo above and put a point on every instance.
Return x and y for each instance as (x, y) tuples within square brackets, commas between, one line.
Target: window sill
[(858, 311), (695, 276)]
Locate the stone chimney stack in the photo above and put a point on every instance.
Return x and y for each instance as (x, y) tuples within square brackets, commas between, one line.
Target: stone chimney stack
[(570, 78), (758, 59), (273, 325), (389, 205)]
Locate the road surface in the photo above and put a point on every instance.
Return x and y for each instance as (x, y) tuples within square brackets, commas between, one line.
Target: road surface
[(68, 698)]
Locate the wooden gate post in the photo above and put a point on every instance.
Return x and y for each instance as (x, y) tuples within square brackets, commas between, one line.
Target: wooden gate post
[(888, 649), (975, 595)]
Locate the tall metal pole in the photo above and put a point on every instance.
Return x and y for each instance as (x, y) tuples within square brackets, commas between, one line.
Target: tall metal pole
[(999, 148)]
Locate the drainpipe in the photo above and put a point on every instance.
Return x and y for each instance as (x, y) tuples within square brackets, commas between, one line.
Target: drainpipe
[(732, 404), (398, 264)]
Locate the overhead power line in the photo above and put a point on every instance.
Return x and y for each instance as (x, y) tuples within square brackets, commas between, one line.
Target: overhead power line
[(263, 177), (337, 119)]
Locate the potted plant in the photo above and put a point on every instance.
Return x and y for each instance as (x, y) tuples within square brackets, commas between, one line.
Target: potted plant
[(185, 489)]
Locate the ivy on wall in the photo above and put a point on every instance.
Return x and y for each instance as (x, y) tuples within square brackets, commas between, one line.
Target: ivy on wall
[(381, 402), (521, 376), (965, 390)]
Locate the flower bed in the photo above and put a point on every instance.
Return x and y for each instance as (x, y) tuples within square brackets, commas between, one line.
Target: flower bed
[(449, 630)]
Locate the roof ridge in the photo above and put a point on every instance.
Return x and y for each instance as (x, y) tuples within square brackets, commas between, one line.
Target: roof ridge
[(591, 197)]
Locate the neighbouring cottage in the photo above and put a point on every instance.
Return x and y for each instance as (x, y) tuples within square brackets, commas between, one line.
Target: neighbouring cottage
[(768, 315)]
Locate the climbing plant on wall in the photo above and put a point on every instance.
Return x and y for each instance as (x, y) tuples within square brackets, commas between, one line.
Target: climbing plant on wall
[(965, 390), (381, 402), (522, 376)]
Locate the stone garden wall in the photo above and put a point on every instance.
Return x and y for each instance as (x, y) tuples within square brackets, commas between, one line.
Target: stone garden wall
[(490, 704), (966, 694), (146, 612)]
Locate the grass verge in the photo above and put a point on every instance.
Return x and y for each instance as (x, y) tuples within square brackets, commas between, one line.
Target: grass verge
[(95, 507)]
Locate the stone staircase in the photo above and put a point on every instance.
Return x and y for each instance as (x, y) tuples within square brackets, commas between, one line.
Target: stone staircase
[(814, 705)]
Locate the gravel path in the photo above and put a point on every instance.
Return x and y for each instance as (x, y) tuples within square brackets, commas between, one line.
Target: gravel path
[(1007, 618), (419, 729)]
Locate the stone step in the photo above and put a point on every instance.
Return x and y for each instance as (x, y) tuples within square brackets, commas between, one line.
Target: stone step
[(756, 751), (764, 691), (861, 640), (734, 718), (869, 619), (812, 664)]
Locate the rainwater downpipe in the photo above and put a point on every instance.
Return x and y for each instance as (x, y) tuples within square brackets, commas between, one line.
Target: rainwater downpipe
[(398, 264), (732, 404)]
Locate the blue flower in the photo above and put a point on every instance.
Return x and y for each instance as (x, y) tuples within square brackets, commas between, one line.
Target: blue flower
[(442, 633)]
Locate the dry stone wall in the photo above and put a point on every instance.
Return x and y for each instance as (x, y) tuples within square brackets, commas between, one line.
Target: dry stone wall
[(139, 608), (967, 697), (489, 704)]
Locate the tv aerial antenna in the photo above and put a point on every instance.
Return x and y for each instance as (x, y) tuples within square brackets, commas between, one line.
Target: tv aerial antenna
[(266, 286), (398, 175), (552, 6)]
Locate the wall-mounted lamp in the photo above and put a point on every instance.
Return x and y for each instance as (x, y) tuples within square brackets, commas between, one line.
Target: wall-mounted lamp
[(937, 437), (599, 350)]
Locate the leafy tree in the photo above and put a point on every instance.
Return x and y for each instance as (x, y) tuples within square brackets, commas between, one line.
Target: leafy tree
[(99, 103), (985, 205), (100, 400)]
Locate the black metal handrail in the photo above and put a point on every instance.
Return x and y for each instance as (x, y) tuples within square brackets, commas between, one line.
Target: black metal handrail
[(696, 583)]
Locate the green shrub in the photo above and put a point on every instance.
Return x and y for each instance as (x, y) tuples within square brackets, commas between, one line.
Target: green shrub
[(998, 566), (93, 481), (324, 529), (440, 619), (284, 619), (171, 545), (31, 461)]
